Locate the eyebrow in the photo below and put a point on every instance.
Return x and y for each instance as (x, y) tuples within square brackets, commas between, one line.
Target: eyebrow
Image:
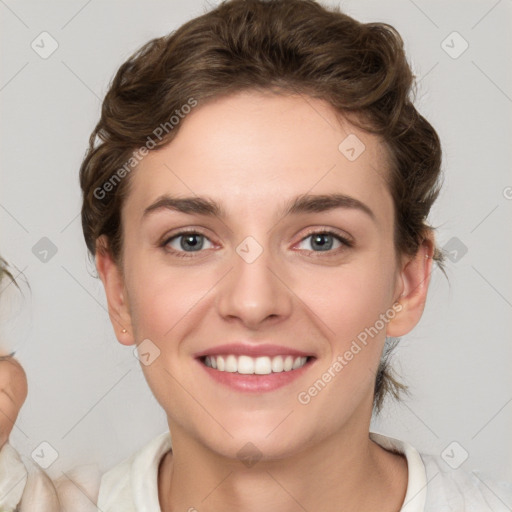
[(306, 203)]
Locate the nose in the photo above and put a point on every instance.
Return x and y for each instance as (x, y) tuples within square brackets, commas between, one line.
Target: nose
[(255, 293)]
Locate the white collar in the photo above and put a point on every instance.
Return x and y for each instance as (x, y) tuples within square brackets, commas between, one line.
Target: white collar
[(416, 494)]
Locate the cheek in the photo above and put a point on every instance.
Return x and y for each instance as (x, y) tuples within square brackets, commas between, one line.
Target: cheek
[(355, 307), (354, 304), (350, 299), (164, 302), (161, 297)]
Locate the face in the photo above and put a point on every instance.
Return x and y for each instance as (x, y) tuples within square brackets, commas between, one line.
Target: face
[(283, 254)]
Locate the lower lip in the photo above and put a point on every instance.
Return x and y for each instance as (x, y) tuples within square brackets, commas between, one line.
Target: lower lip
[(256, 383)]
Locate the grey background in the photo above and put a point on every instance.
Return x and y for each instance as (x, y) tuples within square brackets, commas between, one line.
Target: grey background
[(87, 396)]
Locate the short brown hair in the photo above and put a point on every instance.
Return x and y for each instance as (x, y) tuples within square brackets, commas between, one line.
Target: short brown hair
[(285, 46)]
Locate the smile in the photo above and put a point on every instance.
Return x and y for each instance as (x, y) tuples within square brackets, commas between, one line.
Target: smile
[(247, 365)]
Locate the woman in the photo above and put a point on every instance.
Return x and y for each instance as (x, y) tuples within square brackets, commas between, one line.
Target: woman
[(256, 196)]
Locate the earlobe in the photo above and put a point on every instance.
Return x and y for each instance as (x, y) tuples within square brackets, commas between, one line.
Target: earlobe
[(113, 282), (415, 278)]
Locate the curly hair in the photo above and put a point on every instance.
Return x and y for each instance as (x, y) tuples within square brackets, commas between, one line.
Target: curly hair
[(281, 46)]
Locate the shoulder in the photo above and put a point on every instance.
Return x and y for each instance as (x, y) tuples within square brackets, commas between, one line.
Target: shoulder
[(132, 484), (457, 489), (13, 477), (434, 486), (25, 486)]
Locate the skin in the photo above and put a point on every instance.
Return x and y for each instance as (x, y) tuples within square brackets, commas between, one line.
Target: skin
[(252, 152), (13, 393)]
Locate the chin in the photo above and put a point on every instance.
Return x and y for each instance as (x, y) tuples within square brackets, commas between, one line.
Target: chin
[(269, 438)]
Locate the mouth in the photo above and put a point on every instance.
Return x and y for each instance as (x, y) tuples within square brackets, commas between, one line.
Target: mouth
[(247, 365), (255, 375)]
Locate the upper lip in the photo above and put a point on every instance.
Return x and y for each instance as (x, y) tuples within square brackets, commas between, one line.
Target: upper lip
[(254, 350)]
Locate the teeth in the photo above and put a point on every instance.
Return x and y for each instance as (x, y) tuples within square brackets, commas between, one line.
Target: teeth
[(247, 365), (296, 364), (231, 365), (277, 364), (262, 365)]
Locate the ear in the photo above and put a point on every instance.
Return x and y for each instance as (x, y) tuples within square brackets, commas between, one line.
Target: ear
[(412, 287), (113, 282)]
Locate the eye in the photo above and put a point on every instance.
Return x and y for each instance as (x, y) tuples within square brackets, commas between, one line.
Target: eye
[(323, 241), (187, 241), (192, 241)]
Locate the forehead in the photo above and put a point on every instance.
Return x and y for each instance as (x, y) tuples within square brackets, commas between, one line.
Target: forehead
[(253, 149)]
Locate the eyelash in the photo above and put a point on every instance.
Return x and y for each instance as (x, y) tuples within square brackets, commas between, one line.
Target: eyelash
[(184, 254)]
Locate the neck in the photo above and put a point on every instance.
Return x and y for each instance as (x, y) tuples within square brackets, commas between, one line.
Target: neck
[(343, 472)]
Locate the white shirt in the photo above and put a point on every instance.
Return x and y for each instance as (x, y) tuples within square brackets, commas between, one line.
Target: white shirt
[(132, 485)]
